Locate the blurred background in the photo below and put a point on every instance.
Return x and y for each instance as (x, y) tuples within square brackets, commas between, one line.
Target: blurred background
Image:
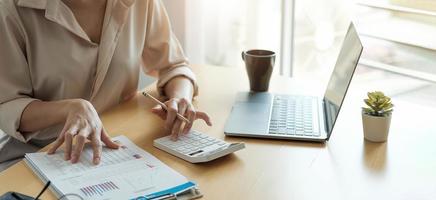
[(398, 35)]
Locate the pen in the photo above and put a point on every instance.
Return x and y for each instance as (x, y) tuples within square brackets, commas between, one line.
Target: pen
[(181, 117)]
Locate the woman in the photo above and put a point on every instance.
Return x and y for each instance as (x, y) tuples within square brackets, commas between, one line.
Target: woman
[(64, 61)]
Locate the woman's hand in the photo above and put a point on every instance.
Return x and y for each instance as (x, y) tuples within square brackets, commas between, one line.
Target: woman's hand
[(82, 123), (174, 125)]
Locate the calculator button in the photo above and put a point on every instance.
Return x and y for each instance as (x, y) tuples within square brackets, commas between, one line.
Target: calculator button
[(299, 132), (203, 141), (180, 148), (195, 133), (209, 143)]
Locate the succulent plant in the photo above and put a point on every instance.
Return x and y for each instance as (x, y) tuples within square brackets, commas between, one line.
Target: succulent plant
[(378, 104)]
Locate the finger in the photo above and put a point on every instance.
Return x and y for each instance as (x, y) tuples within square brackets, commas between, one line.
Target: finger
[(172, 109), (57, 143), (191, 118), (156, 108), (80, 143), (96, 147), (68, 143), (60, 140), (176, 130), (107, 140), (177, 127), (205, 117), (159, 111)]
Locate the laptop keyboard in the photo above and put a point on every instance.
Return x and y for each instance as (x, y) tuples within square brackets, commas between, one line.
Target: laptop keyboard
[(294, 115)]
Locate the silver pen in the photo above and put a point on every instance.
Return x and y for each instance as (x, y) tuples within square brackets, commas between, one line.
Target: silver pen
[(181, 117)]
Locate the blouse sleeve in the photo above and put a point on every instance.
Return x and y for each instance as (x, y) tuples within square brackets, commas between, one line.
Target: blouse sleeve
[(162, 51), (15, 82)]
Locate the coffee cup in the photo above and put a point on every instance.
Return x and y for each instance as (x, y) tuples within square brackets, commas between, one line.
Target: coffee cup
[(259, 65)]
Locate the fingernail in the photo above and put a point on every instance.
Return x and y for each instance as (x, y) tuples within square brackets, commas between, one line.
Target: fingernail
[(96, 161), (73, 159), (67, 157)]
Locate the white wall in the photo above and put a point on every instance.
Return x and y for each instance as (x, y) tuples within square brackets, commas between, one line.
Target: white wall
[(186, 18), (177, 12)]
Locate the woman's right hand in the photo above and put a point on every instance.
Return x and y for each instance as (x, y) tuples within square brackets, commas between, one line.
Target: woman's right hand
[(82, 123)]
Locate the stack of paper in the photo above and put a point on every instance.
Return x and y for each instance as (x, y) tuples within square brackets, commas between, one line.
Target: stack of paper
[(126, 173)]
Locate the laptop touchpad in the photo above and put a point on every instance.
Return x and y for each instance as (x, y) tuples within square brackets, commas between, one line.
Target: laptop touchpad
[(250, 114)]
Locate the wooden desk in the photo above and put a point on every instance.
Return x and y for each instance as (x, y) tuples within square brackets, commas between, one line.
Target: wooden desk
[(347, 167)]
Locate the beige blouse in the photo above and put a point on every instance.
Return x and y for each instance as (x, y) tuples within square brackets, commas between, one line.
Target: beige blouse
[(46, 55)]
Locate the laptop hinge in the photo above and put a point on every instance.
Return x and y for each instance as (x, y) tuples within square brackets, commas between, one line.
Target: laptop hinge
[(326, 118)]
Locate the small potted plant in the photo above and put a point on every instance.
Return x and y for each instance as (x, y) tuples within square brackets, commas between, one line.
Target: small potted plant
[(376, 117)]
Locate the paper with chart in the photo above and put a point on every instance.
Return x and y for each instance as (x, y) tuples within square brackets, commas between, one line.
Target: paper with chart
[(125, 173)]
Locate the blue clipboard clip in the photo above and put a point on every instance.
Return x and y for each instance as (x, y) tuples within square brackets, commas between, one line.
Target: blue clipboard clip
[(184, 191)]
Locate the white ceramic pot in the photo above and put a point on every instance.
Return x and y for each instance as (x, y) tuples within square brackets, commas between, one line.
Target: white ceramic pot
[(376, 129)]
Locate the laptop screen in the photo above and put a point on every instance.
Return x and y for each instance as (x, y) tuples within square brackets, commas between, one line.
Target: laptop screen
[(341, 76)]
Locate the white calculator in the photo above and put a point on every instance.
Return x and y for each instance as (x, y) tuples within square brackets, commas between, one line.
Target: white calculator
[(197, 147)]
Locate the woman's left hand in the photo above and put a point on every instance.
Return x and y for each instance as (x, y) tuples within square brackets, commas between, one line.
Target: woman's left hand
[(174, 125)]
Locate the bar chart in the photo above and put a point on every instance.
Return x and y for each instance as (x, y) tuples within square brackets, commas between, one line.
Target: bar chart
[(99, 189)]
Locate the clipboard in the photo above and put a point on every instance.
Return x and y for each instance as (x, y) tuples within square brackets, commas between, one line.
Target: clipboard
[(186, 191), (193, 193)]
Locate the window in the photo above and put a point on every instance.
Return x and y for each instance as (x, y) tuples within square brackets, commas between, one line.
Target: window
[(320, 27), (216, 32), (399, 36)]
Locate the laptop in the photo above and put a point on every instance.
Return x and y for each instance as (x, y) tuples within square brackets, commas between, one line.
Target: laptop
[(293, 117)]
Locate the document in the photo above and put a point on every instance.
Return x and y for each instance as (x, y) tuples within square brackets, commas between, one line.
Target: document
[(125, 173)]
